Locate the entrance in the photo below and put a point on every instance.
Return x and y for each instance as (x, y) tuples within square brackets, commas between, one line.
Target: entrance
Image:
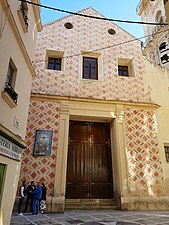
[(89, 167), (2, 170)]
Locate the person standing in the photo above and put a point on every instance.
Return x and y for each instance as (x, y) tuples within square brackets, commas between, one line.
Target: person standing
[(43, 199), (29, 196), (37, 195), (21, 197)]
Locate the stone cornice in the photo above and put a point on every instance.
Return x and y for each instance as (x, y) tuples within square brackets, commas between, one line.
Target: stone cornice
[(44, 97)]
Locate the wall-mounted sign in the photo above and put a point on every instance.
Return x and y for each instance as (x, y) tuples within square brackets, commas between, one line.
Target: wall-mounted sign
[(16, 122), (9, 149)]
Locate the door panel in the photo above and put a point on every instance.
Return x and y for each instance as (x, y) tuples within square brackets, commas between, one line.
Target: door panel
[(77, 173), (78, 132), (89, 169)]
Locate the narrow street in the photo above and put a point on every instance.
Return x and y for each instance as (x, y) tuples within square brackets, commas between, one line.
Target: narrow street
[(99, 217)]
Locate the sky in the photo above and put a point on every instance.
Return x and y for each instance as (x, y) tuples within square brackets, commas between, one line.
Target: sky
[(114, 9)]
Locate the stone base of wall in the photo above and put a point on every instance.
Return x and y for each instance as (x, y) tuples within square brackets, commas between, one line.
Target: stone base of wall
[(57, 204), (145, 203), (54, 204)]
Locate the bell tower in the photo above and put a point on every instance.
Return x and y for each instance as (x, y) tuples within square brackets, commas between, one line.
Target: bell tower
[(156, 45)]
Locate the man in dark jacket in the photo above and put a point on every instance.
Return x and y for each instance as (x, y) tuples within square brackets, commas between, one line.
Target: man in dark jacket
[(29, 196), (37, 195)]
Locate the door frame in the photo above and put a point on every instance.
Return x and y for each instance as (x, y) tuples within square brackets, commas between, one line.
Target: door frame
[(92, 112)]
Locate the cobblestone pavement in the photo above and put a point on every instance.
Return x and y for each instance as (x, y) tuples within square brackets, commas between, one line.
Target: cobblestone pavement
[(94, 217)]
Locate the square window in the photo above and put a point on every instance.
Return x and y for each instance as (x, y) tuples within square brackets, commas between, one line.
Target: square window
[(125, 67), (123, 71), (90, 68), (54, 60), (54, 64), (166, 148)]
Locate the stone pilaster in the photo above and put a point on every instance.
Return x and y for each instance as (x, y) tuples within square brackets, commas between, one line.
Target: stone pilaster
[(58, 201)]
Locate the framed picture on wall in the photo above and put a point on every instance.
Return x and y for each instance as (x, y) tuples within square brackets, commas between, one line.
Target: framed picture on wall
[(43, 143)]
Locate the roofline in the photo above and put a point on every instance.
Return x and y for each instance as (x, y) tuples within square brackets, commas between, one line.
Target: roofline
[(54, 21)]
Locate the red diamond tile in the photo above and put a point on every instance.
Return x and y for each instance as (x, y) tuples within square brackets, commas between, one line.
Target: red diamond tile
[(51, 175), (34, 165), (44, 160), (25, 160), (43, 170), (33, 175)]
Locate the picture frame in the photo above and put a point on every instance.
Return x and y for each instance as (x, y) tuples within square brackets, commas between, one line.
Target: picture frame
[(43, 143)]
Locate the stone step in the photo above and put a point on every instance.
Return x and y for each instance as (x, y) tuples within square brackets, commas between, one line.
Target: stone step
[(90, 204)]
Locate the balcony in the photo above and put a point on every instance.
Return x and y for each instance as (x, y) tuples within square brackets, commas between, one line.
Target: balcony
[(9, 95)]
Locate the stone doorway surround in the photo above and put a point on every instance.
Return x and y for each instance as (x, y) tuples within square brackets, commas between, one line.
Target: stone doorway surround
[(132, 190), (92, 111)]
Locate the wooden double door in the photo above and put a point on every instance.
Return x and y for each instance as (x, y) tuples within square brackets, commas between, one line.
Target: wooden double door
[(89, 165)]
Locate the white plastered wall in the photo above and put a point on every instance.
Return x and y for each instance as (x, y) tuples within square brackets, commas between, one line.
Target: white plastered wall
[(12, 169)]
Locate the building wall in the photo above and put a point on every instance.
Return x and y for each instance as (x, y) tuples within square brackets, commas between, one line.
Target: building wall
[(138, 174), (166, 5), (158, 78), (18, 45), (43, 115), (154, 11), (12, 171), (127, 103), (89, 35), (22, 84), (144, 161), (28, 37)]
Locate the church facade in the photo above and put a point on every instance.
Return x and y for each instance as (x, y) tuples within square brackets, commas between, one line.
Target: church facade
[(94, 119)]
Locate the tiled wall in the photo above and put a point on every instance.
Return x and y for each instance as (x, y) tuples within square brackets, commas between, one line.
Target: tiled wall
[(145, 168), (89, 35), (42, 116)]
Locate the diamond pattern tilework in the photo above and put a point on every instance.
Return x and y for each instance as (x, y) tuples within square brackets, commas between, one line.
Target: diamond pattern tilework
[(89, 35), (145, 168), (42, 116)]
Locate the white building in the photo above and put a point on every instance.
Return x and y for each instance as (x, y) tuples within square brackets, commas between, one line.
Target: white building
[(19, 24)]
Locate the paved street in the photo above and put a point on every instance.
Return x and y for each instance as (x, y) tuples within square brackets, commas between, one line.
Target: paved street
[(99, 217)]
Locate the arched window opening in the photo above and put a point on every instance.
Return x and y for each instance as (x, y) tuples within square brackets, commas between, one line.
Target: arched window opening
[(163, 46), (158, 17), (165, 58)]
